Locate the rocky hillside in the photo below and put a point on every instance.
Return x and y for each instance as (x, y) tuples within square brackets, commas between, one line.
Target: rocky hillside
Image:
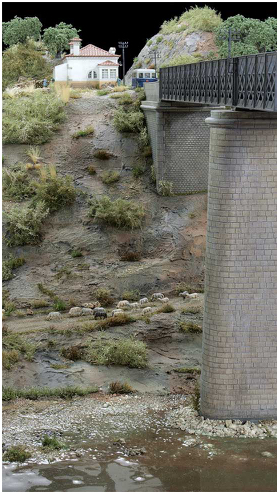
[(185, 40)]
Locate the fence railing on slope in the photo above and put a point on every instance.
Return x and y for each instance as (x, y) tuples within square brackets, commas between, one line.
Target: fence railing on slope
[(246, 82)]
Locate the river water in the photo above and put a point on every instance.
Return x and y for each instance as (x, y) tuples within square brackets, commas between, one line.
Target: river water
[(173, 462)]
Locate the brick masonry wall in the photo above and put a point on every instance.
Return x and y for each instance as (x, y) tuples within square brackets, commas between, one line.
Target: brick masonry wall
[(180, 145), (238, 377)]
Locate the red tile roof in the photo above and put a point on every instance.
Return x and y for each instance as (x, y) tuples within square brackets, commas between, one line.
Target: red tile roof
[(108, 62), (93, 51)]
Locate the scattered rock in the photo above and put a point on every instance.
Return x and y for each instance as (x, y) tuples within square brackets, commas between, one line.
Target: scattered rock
[(267, 454)]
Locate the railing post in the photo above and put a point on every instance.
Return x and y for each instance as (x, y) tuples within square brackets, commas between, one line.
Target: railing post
[(205, 82), (160, 84), (255, 80), (265, 81), (235, 82)]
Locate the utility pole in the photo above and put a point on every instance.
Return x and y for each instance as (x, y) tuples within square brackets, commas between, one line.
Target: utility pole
[(123, 45)]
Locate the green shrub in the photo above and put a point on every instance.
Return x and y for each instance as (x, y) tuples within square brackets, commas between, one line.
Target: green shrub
[(147, 152), (59, 304), (83, 133), (117, 320), (144, 137), (16, 454), (52, 443), (102, 154), (16, 184), (149, 42), (169, 27), (166, 309), (191, 310), (128, 352), (9, 264), (185, 287), (190, 327), (103, 92), (53, 191), (117, 387), (13, 346), (196, 397), (159, 39), (116, 96), (110, 177), (33, 119), (126, 99), (38, 304), (181, 60), (75, 94), (128, 121), (24, 225), (138, 171), (165, 188), (76, 253), (119, 213), (46, 291), (104, 297)]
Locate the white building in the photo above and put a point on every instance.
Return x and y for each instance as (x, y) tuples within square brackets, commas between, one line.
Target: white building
[(87, 67)]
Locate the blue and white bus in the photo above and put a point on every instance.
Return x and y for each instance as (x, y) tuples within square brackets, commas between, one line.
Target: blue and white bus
[(139, 76)]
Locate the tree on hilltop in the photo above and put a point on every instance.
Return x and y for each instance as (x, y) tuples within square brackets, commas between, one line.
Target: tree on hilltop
[(57, 38)]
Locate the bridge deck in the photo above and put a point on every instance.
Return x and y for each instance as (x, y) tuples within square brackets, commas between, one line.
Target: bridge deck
[(247, 82)]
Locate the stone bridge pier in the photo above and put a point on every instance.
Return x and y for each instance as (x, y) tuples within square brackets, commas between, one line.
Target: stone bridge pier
[(238, 379)]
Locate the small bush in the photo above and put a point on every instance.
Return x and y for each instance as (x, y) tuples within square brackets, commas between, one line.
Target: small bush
[(119, 89), (128, 121), (159, 39), (9, 358), (191, 310), (52, 443), (76, 253), (59, 304), (33, 119), (126, 99), (57, 366), (192, 215), (187, 370), (6, 303), (72, 353), (16, 454), (74, 94), (117, 387), (83, 133), (149, 42), (34, 154), (46, 291), (196, 397), (91, 170), (201, 19), (166, 309), (102, 154), (8, 265), (24, 225), (55, 192), (190, 327), (103, 92), (131, 295), (128, 352), (119, 213), (147, 152), (183, 286), (16, 184), (110, 177), (138, 171), (116, 96), (104, 297), (165, 188)]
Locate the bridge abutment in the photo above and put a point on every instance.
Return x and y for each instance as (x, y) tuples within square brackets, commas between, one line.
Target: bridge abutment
[(238, 379)]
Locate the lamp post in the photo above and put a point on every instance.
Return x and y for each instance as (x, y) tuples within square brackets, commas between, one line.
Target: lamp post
[(123, 45), (155, 55), (232, 34)]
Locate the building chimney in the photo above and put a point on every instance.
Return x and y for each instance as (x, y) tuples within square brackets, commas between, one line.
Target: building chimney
[(75, 46), (112, 50)]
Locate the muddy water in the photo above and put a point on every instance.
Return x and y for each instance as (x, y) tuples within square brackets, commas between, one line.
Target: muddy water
[(173, 462)]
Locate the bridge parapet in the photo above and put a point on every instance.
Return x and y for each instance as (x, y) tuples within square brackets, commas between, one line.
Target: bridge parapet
[(247, 82)]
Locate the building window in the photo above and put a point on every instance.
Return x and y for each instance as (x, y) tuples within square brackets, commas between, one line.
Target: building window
[(95, 75), (104, 73), (90, 75), (113, 73)]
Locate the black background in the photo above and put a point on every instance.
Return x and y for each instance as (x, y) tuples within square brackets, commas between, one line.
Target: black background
[(105, 23)]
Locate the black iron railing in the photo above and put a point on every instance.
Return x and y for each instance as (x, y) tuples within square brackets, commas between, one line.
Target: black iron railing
[(245, 82)]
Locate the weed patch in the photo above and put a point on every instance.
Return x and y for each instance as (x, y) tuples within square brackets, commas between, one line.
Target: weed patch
[(102, 154), (128, 352), (190, 327), (187, 370), (165, 188), (167, 308), (52, 443), (8, 265), (76, 253), (119, 213), (130, 256), (119, 388), (103, 92), (16, 184), (138, 171), (9, 358), (37, 393), (128, 121), (117, 320), (103, 296), (72, 353), (131, 295), (17, 454), (24, 225), (83, 133), (53, 191), (191, 310), (91, 170), (110, 177)]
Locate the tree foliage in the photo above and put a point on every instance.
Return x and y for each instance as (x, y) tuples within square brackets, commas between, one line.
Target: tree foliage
[(23, 60), (57, 38), (18, 30), (255, 36)]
